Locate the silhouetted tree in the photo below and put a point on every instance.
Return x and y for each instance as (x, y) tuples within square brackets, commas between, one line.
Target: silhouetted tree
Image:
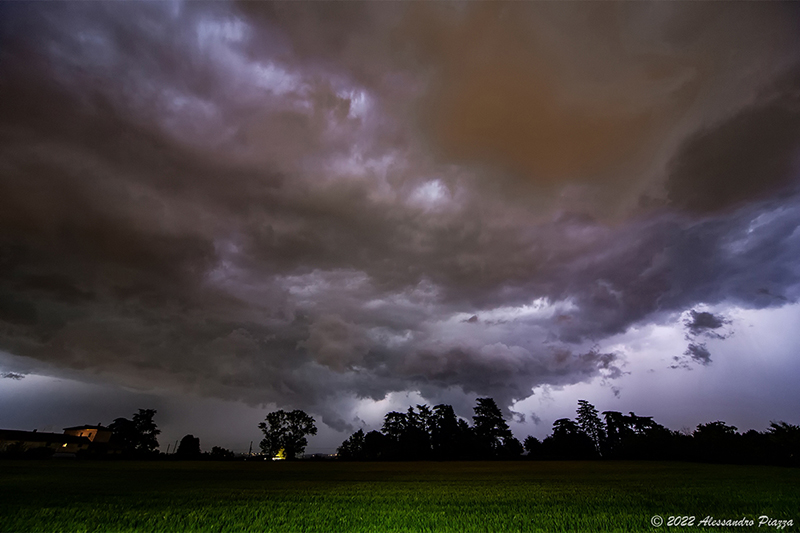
[(533, 447), (568, 442), (637, 437), (147, 429), (755, 447), (415, 440), (490, 428), (408, 434), (352, 449), (590, 424), (785, 439), (394, 426), (716, 442), (221, 453), (136, 436), (425, 419), (618, 434), (374, 446), (680, 445), (189, 447), (423, 432), (450, 436), (286, 431), (651, 440), (512, 448), (361, 447), (124, 435)]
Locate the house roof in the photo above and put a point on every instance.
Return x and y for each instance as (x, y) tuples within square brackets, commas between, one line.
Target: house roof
[(35, 436), (98, 426)]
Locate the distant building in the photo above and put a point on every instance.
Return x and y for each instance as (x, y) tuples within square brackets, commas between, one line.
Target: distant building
[(12, 440), (76, 439), (97, 434)]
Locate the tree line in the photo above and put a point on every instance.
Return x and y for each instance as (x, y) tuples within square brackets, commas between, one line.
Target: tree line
[(138, 438), (436, 433), (425, 433)]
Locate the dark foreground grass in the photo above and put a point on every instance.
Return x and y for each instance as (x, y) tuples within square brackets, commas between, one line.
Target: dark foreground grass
[(375, 497)]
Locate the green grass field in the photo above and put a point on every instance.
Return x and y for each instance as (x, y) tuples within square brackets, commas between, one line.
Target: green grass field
[(61, 495)]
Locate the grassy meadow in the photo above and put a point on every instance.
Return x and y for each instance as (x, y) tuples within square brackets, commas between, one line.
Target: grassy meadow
[(62, 495)]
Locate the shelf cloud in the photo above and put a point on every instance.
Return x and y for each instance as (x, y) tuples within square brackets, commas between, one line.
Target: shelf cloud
[(297, 203)]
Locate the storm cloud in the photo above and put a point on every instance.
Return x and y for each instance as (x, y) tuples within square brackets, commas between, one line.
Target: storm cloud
[(750, 155), (705, 323), (298, 203)]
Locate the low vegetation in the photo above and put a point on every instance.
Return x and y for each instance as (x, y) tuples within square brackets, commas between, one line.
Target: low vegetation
[(399, 496)]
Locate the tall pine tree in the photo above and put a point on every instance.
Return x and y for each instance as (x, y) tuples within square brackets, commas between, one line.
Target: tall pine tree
[(590, 423)]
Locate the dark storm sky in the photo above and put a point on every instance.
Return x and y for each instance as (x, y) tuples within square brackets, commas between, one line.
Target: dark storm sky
[(316, 205)]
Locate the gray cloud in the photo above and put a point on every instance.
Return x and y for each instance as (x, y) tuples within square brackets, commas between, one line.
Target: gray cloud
[(700, 324), (335, 343), (297, 203), (705, 323), (750, 155), (695, 352), (699, 353)]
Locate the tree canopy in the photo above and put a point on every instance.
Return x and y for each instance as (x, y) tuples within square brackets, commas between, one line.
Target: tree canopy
[(589, 422), (424, 432), (189, 448), (437, 433), (286, 431), (492, 435), (138, 435)]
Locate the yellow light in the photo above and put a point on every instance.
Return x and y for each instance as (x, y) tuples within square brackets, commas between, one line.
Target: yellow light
[(63, 445)]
